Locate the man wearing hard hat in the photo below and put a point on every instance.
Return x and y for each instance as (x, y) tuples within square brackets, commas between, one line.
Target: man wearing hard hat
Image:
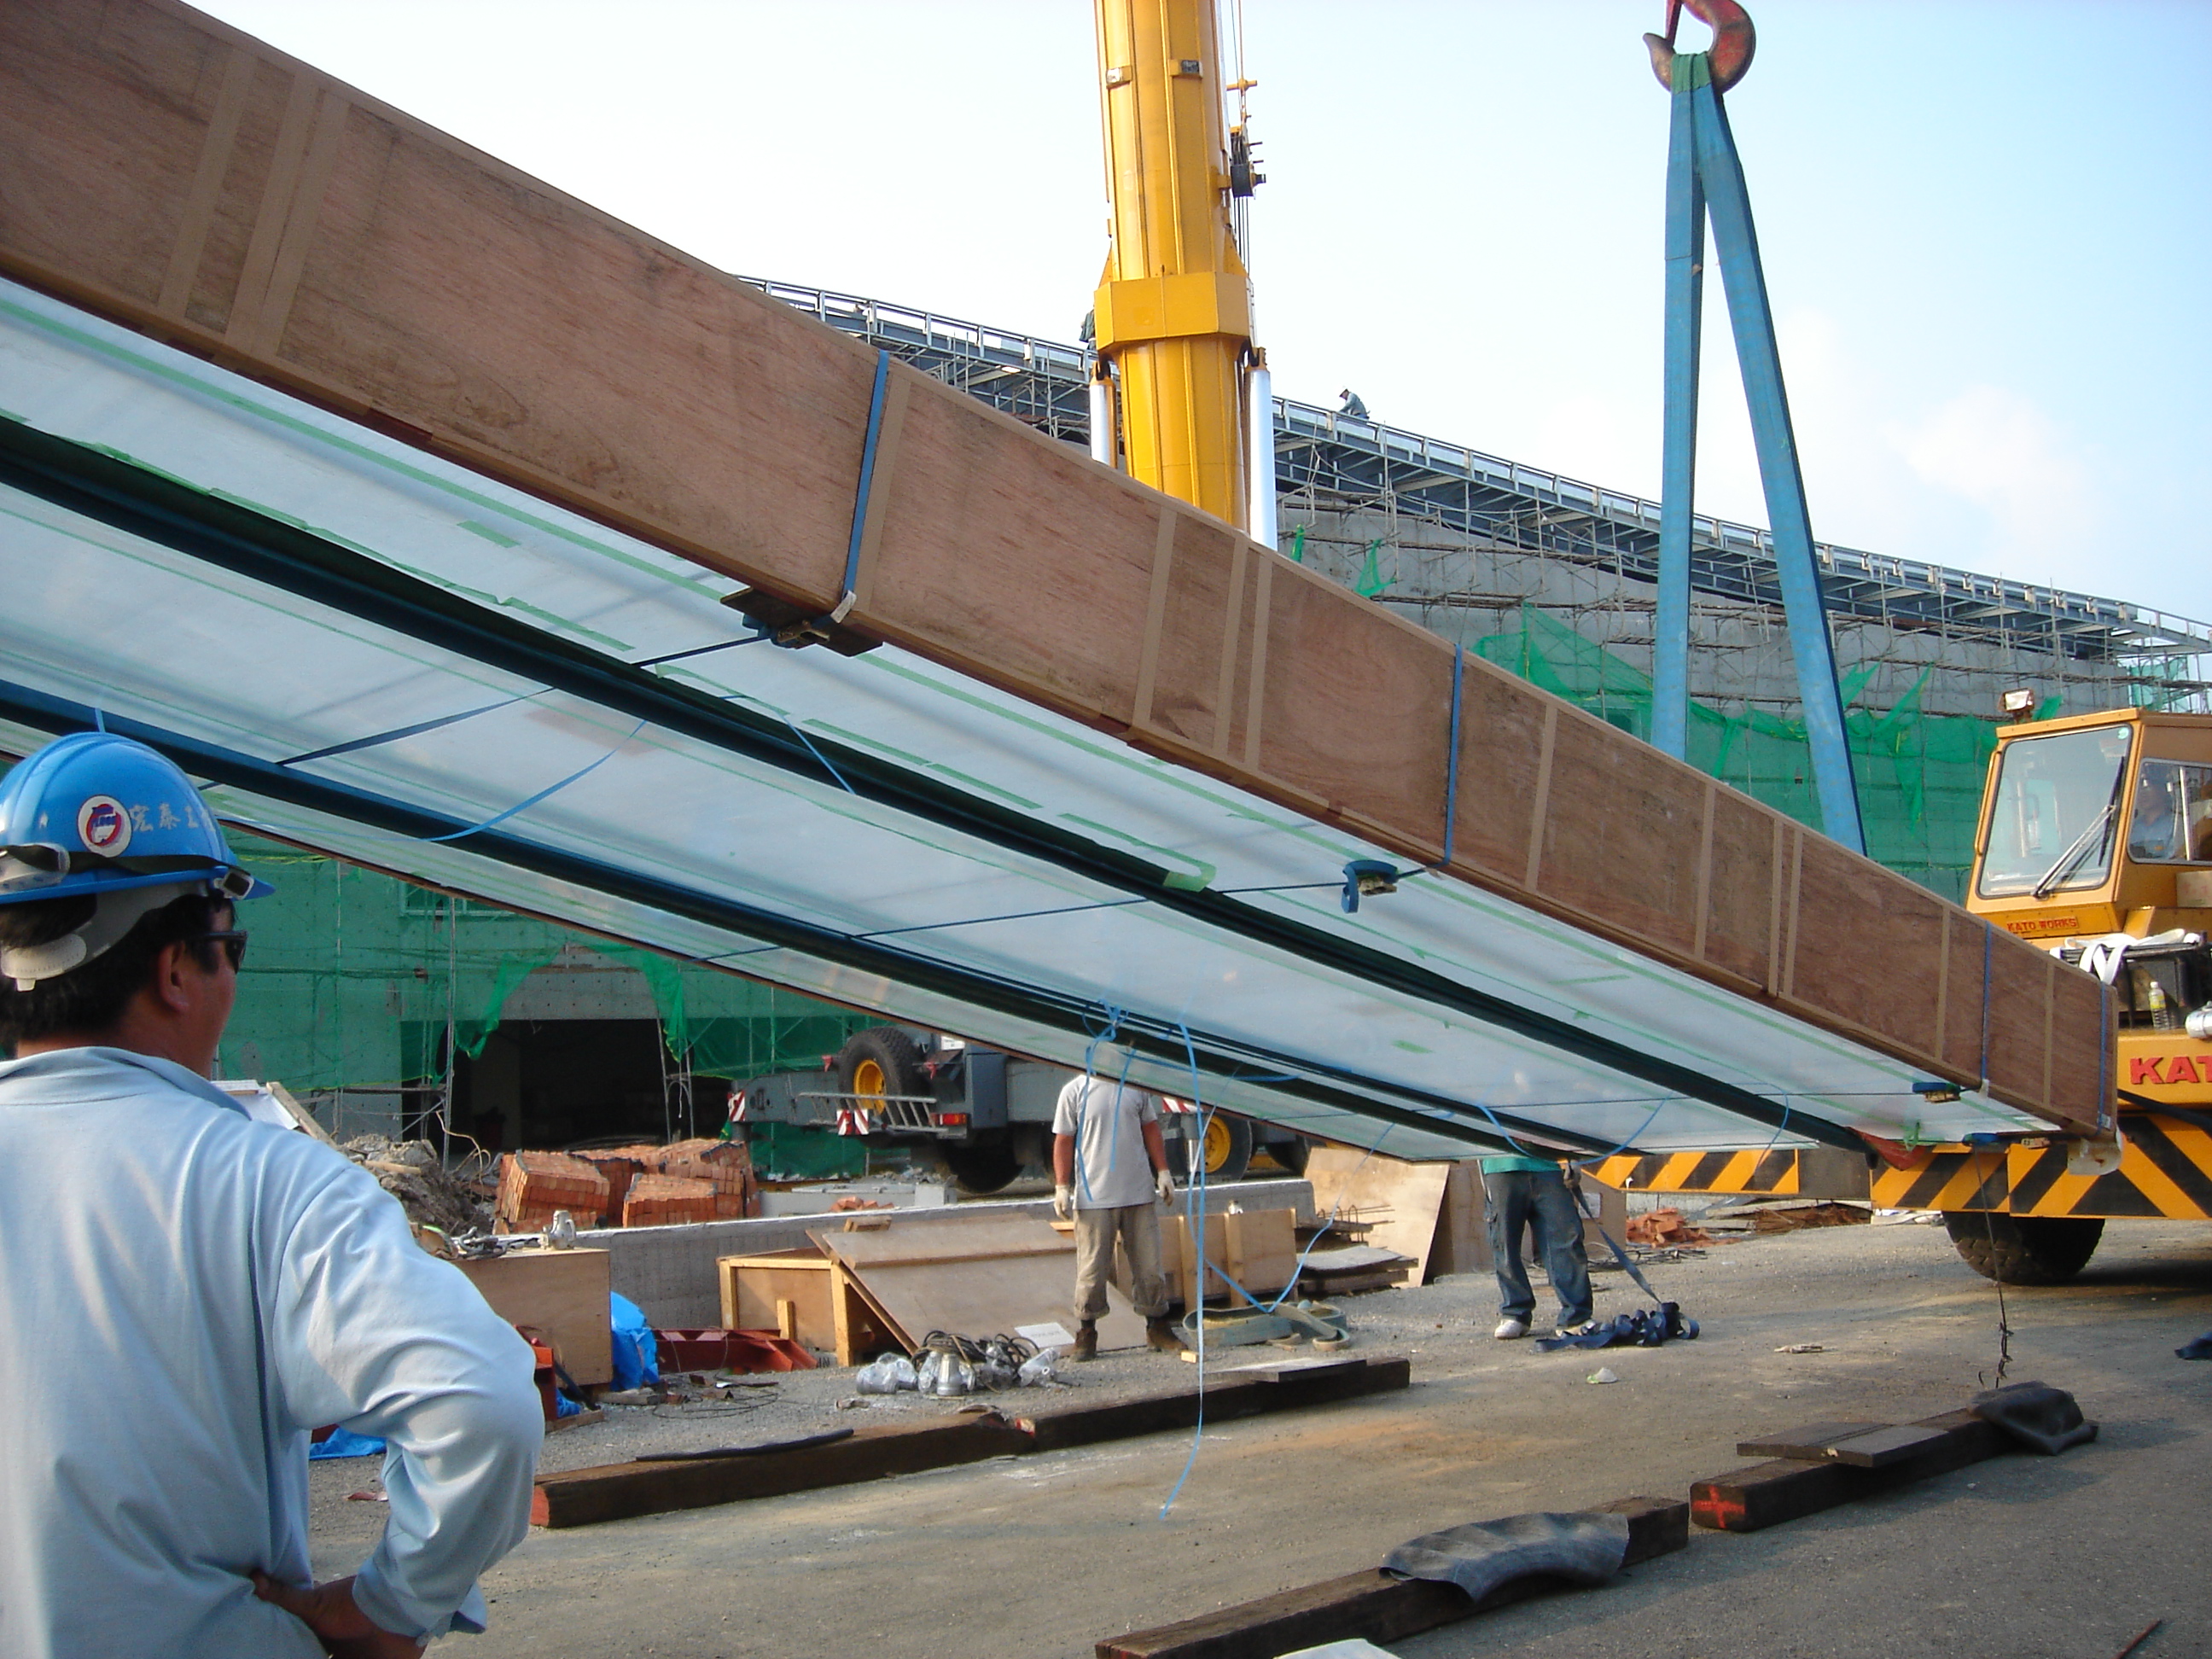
[(185, 1293)]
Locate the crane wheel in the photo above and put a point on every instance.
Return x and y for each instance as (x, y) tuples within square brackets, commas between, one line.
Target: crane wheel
[(2024, 1249), (979, 1169), (1226, 1149), (881, 1061)]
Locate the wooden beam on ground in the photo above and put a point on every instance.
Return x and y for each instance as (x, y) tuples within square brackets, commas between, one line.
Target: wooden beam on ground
[(614, 1491), (1766, 1494), (182, 179), (1229, 1395), (1373, 1604)]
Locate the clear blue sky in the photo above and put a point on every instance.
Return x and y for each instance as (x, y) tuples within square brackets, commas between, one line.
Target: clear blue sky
[(1986, 222)]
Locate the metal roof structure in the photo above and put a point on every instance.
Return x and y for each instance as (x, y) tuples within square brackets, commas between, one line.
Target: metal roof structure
[(375, 652), (1316, 449)]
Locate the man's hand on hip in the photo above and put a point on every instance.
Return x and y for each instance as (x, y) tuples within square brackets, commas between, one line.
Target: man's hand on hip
[(1063, 1202), (337, 1621)]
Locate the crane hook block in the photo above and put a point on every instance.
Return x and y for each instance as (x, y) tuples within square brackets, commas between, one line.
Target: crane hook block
[(1733, 42)]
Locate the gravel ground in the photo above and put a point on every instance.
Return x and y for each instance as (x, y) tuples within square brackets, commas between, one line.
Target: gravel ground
[(1047, 1554)]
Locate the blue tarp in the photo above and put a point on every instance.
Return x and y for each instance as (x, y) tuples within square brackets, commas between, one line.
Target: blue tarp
[(636, 1355)]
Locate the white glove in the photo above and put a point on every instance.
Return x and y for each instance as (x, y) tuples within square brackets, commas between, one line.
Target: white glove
[(1063, 1202), (1163, 1184)]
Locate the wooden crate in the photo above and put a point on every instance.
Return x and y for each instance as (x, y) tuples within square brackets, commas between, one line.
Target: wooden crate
[(792, 1292), (185, 180), (562, 1293), (807, 1295), (1258, 1248)]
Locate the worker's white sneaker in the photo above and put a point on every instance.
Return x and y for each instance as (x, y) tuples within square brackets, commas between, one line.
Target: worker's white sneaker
[(1509, 1328)]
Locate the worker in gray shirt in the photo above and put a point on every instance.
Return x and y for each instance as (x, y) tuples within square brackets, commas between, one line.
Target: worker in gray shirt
[(1108, 1165)]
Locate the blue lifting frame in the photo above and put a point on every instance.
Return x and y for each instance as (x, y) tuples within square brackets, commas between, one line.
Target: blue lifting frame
[(1703, 175)]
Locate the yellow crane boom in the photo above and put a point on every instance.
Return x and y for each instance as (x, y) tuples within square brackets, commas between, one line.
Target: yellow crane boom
[(1173, 314)]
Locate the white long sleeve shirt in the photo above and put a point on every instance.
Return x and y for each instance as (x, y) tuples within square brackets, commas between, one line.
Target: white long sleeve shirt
[(185, 1293)]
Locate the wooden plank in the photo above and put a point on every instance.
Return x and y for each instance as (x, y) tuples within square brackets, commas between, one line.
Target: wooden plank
[(166, 172), (1402, 1200), (1228, 1396), (864, 1329), (561, 1293), (922, 1242), (1766, 1494), (1805, 1444), (1463, 1240), (975, 1277), (1376, 1606), (613, 1491)]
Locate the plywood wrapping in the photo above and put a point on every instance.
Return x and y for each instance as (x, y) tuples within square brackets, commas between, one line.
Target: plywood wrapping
[(179, 178)]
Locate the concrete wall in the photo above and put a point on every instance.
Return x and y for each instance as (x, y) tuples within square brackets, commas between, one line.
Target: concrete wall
[(670, 1270)]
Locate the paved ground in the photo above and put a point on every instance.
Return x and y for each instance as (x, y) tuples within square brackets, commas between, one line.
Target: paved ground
[(1044, 1555)]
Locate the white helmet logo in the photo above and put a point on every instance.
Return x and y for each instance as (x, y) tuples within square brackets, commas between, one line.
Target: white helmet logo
[(103, 824)]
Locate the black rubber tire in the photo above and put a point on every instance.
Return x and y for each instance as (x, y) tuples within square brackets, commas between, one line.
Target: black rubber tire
[(1184, 1154), (982, 1169), (2032, 1250), (894, 1054), (1291, 1154)]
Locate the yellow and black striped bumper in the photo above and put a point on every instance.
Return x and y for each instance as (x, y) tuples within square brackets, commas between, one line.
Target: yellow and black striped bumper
[(1815, 1172), (2166, 1169)]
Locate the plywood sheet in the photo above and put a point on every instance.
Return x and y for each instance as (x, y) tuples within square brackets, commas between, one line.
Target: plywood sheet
[(562, 1293), (179, 178), (989, 1277), (1402, 1201)]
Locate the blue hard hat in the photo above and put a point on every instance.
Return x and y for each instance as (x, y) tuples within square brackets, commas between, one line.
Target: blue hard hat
[(97, 813)]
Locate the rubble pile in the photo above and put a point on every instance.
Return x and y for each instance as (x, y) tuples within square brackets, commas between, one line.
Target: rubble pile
[(410, 1171)]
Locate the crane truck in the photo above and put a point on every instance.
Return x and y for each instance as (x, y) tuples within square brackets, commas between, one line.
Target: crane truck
[(983, 1115), (2094, 842)]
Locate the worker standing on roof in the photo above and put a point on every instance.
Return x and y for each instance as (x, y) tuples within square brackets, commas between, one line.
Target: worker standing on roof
[(1108, 1165), (188, 1291), (1532, 1193)]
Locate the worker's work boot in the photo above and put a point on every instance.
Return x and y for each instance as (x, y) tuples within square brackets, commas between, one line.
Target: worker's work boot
[(1086, 1340), (1160, 1333)]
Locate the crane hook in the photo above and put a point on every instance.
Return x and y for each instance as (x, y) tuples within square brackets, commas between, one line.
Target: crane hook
[(1733, 42)]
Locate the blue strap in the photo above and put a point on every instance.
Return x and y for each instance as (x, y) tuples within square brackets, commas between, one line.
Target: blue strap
[(550, 789), (867, 479)]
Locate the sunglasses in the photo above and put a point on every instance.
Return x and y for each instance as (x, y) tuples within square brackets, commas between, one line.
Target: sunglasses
[(233, 940)]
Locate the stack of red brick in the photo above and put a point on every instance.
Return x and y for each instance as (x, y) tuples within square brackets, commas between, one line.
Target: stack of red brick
[(627, 1186)]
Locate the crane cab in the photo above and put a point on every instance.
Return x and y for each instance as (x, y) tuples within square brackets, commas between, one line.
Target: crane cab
[(2096, 839)]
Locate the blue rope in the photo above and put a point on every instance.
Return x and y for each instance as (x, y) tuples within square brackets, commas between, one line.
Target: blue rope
[(819, 756), (1194, 1199), (550, 789)]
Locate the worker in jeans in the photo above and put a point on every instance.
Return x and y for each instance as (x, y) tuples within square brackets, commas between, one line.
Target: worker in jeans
[(189, 1292), (1531, 1192), (1110, 1164)]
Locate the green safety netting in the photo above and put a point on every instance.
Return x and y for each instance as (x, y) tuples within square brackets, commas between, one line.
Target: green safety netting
[(1919, 775), (355, 979)]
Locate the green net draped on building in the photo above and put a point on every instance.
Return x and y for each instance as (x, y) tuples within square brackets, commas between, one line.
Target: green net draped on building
[(354, 980), (1919, 775)]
